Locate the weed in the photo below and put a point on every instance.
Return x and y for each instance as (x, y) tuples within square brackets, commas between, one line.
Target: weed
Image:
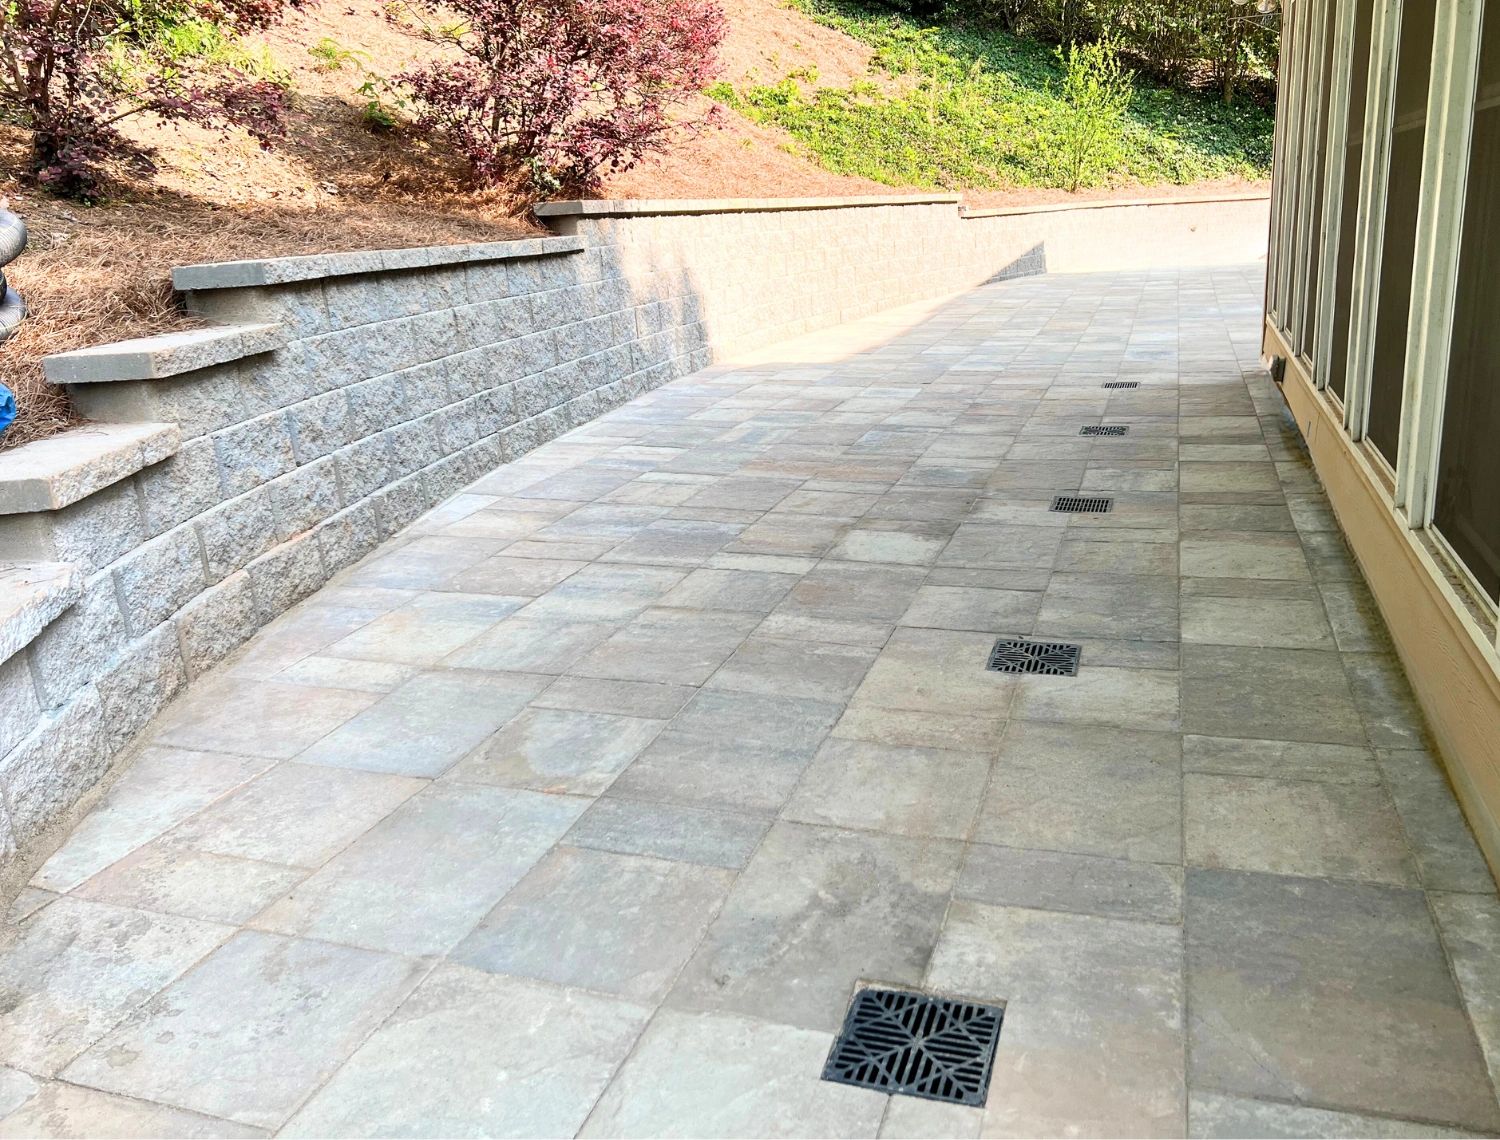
[(331, 56), (1096, 93)]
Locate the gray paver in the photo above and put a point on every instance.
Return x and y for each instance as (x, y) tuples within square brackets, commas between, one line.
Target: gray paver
[(815, 911), (296, 814), (419, 881), (558, 750), (56, 1108), (216, 1041), (676, 729), (535, 1059), (1093, 1028), (717, 839), (422, 727), (600, 920), (77, 968), (1288, 983), (717, 1074), (162, 787)]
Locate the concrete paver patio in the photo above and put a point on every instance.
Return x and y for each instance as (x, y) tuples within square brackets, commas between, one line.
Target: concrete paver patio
[(584, 805)]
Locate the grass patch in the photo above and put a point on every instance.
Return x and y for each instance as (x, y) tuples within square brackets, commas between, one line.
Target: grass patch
[(959, 108)]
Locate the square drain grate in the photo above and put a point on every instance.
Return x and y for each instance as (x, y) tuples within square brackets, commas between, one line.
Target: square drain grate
[(916, 1045), (1082, 504), (1103, 429), (1122, 383), (1050, 658)]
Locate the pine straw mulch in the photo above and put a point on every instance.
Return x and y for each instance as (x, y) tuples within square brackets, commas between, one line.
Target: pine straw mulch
[(92, 275)]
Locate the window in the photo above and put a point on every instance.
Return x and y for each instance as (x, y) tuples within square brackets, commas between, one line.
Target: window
[(1468, 485), (1354, 150), (1288, 110), (1317, 148), (1398, 250)]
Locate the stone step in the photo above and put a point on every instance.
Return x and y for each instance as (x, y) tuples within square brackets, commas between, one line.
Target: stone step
[(157, 357), (49, 474), (288, 270), (31, 595)]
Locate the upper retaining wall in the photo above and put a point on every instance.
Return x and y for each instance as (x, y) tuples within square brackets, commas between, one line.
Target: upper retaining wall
[(339, 396)]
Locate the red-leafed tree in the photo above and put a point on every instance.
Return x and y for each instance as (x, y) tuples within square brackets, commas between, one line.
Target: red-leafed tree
[(550, 95), (72, 70)]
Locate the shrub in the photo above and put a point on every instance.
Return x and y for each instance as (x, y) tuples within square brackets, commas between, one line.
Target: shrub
[(549, 95), (1096, 93), (1184, 42), (72, 70)]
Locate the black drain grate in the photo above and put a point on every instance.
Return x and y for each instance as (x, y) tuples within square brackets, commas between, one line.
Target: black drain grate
[(1051, 658), (1082, 504), (916, 1045), (1122, 383), (1103, 429)]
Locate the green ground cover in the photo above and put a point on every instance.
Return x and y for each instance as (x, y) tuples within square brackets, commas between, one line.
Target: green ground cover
[(959, 108)]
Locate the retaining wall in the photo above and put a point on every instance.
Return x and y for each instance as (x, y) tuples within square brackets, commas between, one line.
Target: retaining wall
[(335, 398)]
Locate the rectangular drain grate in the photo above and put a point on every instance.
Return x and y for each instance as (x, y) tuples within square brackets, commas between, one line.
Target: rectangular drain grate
[(1082, 504), (1050, 658), (1122, 383), (916, 1045), (1103, 429)]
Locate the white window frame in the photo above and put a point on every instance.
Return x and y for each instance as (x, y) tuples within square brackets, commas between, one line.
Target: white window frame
[(1315, 33), (1445, 177), (1369, 237), (1292, 166), (1334, 173), (1275, 256), (1447, 146)]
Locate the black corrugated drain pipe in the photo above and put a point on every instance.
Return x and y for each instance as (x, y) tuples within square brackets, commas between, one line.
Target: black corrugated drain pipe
[(12, 242)]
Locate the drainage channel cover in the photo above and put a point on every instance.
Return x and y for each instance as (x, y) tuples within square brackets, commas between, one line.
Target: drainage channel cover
[(1082, 504), (916, 1045), (1122, 383), (1052, 658), (1103, 429)]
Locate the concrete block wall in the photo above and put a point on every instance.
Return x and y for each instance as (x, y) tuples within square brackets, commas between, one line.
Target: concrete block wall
[(376, 385)]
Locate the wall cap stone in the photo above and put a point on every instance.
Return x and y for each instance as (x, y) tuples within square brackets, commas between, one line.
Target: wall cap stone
[(608, 207), (1114, 203), (49, 474), (31, 595), (289, 270), (157, 357)]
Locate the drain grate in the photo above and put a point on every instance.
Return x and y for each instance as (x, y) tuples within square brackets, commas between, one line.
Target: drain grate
[(1051, 658), (1082, 504), (916, 1045), (1103, 429), (1122, 383)]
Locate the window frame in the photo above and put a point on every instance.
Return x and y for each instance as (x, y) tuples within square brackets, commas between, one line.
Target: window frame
[(1315, 108), (1411, 483), (1440, 213), (1334, 174), (1369, 234), (1287, 194)]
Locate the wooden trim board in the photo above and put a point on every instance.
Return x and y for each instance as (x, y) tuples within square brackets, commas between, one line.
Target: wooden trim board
[(1453, 668)]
